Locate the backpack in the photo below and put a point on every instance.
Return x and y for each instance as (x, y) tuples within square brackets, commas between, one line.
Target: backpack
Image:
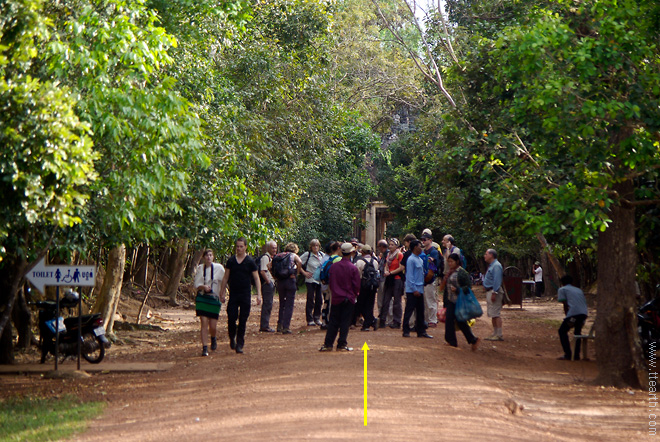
[(370, 275), (282, 266), (430, 269), (460, 253), (463, 260), (325, 271)]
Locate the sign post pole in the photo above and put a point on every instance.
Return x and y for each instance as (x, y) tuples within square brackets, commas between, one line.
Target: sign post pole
[(57, 325)]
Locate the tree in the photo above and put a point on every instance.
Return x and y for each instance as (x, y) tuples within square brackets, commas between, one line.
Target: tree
[(568, 104), (112, 55), (46, 158)]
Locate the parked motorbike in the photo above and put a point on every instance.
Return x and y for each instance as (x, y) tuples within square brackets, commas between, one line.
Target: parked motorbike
[(93, 340), (648, 325)]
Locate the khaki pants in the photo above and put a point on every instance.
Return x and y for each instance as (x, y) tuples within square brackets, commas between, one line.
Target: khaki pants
[(431, 302)]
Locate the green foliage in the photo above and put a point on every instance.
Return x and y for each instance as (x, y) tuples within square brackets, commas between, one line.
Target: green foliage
[(39, 419), (112, 54), (575, 114), (47, 157), (336, 189)]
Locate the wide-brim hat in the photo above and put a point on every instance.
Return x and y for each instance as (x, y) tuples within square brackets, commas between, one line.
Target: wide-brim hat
[(347, 248)]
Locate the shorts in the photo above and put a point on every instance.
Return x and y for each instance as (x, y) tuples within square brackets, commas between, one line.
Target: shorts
[(493, 309), (208, 306)]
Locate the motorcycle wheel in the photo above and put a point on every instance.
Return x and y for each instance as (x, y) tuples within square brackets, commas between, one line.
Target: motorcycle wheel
[(92, 342)]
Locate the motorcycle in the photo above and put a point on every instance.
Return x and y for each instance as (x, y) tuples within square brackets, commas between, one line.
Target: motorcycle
[(93, 342), (648, 326)]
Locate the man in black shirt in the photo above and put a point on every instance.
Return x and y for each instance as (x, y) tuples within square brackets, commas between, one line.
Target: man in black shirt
[(238, 271)]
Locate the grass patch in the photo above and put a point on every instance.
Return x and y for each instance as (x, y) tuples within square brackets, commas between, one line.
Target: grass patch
[(554, 323), (40, 419)]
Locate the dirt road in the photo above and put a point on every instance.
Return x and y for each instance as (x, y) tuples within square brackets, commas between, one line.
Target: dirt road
[(282, 388)]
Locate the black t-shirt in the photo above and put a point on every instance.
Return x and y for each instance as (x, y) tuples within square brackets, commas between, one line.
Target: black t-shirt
[(240, 275), (404, 261)]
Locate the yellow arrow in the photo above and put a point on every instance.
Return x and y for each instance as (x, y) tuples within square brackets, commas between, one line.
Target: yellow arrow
[(365, 348)]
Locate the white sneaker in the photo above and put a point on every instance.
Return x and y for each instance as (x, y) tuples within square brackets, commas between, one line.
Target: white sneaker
[(494, 338), (311, 323)]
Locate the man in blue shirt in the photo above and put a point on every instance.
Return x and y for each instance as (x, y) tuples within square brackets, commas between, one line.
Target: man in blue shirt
[(494, 293), (415, 292), (575, 308)]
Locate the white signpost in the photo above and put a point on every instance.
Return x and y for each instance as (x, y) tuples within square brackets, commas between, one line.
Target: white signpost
[(58, 275)]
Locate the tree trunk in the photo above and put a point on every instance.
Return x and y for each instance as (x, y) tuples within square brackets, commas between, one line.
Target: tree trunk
[(176, 268), (617, 259), (129, 268), (108, 297), (193, 262), (11, 275), (7, 346), (22, 318), (142, 267)]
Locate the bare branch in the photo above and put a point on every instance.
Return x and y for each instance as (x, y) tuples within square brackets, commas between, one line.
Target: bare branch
[(449, 45)]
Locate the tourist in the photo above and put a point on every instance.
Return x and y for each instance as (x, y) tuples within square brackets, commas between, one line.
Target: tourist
[(435, 264), (344, 278), (241, 269), (494, 293), (312, 260), (208, 278), (539, 286), (382, 261), (456, 277), (575, 309), (393, 285), (332, 253), (286, 287), (267, 286), (414, 287), (367, 265)]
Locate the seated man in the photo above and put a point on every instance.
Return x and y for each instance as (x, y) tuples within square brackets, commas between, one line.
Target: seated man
[(575, 307)]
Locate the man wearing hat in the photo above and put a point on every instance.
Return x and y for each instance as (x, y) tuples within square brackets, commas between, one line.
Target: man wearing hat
[(539, 287), (344, 281)]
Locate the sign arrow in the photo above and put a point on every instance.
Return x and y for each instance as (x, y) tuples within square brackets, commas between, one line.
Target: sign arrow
[(42, 275), (365, 348)]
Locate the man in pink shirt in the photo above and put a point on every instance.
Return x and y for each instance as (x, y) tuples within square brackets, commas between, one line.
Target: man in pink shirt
[(344, 281)]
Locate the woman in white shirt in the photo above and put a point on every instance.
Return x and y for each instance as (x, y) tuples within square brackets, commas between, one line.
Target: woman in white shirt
[(311, 260), (207, 302)]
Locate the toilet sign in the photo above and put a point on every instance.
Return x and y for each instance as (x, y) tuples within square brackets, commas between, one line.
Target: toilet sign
[(42, 275)]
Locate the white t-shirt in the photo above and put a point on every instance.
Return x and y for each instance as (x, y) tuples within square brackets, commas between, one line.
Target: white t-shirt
[(313, 262), (263, 265), (538, 274), (210, 276)]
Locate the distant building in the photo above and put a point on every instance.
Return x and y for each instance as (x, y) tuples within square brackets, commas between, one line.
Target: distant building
[(375, 218)]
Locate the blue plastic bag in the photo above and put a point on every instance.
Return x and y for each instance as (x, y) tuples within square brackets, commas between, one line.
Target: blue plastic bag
[(467, 306)]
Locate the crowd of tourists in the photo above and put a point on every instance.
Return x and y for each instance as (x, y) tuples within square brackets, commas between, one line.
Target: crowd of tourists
[(411, 286)]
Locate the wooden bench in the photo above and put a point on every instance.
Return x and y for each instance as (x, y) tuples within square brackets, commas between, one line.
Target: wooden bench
[(585, 341)]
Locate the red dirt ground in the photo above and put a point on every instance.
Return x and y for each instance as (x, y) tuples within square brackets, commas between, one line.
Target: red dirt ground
[(282, 388)]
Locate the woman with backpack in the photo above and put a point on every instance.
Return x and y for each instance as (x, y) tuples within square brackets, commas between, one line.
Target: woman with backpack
[(285, 267), (312, 260), (368, 265)]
